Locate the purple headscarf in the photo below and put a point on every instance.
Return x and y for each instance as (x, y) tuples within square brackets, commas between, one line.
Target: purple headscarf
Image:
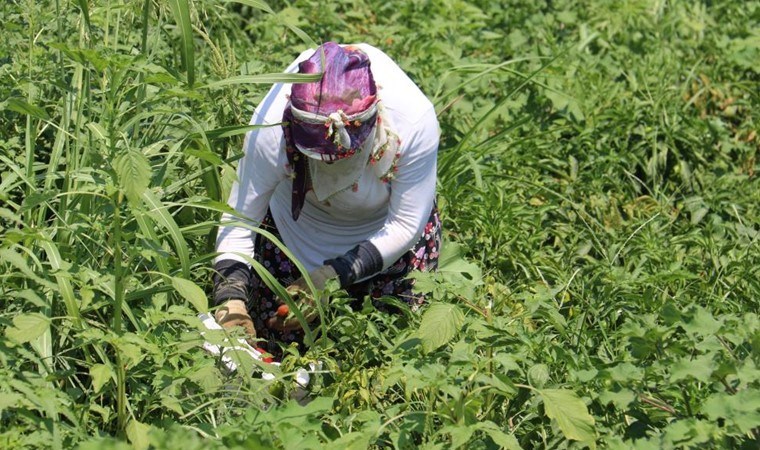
[(347, 82), (329, 119)]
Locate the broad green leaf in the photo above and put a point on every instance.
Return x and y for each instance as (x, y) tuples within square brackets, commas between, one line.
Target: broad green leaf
[(702, 323), (620, 399), (43, 344), (248, 364), (440, 323), (31, 296), (292, 409), (134, 172), (172, 403), (131, 353), (100, 443), (27, 327), (19, 262), (100, 374), (688, 433), (426, 283), (563, 102), (258, 4), (699, 368), (463, 352), (20, 106), (87, 295), (624, 372), (9, 399), (454, 274), (6, 213), (671, 314), (741, 410), (507, 361), (745, 51), (568, 17), (356, 440), (460, 434), (451, 261), (498, 382), (748, 372), (538, 375), (584, 376), (206, 377), (137, 433), (502, 439), (191, 292), (181, 12), (571, 415)]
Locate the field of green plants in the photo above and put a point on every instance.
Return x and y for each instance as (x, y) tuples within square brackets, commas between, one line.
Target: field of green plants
[(598, 184)]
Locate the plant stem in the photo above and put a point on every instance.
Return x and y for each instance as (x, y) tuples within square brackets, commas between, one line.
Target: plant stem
[(28, 140), (118, 267), (659, 404), (144, 50), (430, 408), (121, 394), (686, 401)]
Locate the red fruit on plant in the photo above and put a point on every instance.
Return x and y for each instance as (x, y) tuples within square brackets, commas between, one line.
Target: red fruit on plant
[(283, 310), (265, 357)]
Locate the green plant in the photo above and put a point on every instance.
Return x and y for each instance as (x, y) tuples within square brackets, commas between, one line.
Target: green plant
[(598, 186)]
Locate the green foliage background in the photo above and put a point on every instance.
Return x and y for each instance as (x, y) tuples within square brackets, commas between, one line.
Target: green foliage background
[(598, 185)]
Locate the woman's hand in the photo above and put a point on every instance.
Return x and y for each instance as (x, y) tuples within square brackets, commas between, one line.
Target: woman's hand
[(288, 322), (234, 313)]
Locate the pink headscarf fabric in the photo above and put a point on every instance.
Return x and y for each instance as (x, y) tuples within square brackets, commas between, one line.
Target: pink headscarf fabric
[(347, 82), (346, 91)]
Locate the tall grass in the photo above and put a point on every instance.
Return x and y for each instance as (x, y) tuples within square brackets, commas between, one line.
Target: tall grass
[(115, 198)]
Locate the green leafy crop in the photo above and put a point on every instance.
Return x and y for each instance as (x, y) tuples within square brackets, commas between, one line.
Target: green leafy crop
[(598, 185)]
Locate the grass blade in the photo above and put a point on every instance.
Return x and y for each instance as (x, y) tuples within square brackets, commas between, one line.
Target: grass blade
[(280, 245), (167, 221), (64, 285), (271, 282), (265, 78), (444, 166), (181, 12), (229, 131), (302, 35), (85, 13)]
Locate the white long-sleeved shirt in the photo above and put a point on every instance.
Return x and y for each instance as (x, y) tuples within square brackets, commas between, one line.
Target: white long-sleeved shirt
[(390, 215)]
